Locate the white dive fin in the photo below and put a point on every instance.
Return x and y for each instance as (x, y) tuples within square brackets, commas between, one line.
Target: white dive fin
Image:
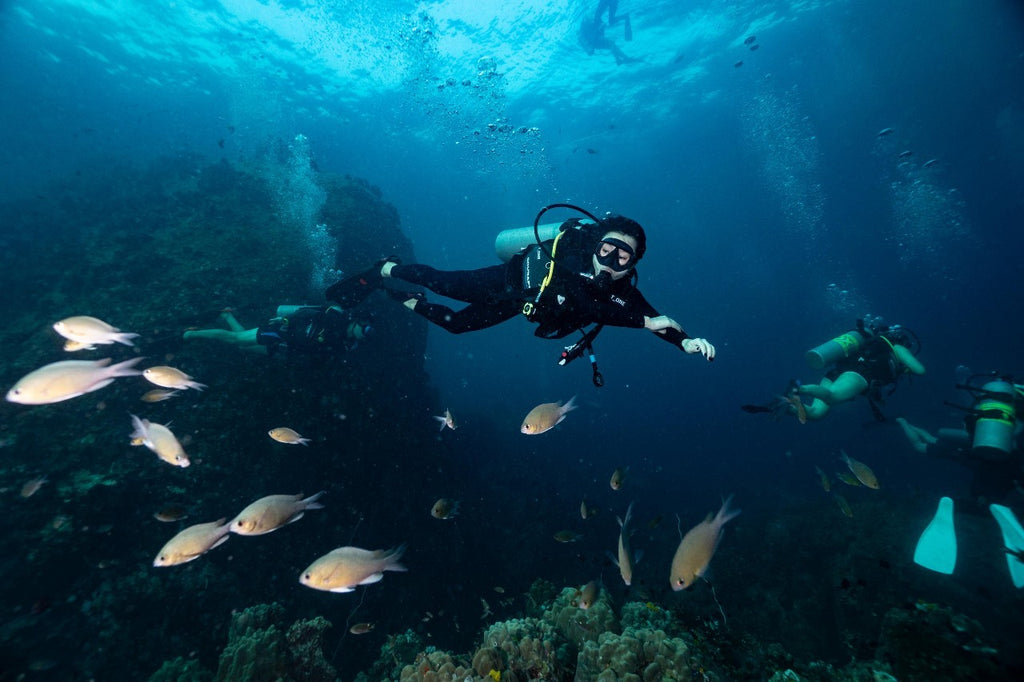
[(936, 548), (1013, 539)]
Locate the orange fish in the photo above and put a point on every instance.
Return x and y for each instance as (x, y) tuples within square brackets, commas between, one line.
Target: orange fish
[(861, 470), (798, 407), (698, 546)]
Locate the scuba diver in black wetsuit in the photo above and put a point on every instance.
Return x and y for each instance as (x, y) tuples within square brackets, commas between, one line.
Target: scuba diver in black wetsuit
[(860, 362), (583, 275)]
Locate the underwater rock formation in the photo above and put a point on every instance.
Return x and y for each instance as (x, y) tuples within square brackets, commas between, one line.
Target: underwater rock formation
[(156, 250)]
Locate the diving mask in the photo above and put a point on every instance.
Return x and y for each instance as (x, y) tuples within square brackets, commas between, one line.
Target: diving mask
[(615, 254)]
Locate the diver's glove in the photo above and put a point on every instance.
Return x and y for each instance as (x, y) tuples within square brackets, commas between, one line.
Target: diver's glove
[(701, 346)]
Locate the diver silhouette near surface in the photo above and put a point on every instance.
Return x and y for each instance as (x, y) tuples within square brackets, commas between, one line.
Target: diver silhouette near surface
[(581, 274), (592, 31)]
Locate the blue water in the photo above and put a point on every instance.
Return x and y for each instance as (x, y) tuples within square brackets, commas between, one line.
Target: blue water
[(775, 213)]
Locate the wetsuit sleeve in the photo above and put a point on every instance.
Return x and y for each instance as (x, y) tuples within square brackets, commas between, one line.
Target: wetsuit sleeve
[(638, 303)]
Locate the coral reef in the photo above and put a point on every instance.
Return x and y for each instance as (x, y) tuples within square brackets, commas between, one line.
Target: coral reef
[(581, 625), (648, 655)]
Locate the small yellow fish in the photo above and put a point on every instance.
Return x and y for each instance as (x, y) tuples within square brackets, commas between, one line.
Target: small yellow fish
[(361, 628), (192, 543), (567, 536), (169, 377), (282, 434), (171, 513), (89, 331), (588, 595), (447, 420), (269, 513), (844, 506), (826, 482), (861, 470), (158, 394), (698, 546), (345, 568), (444, 509), (159, 439), (848, 478), (625, 558), (33, 486), (546, 416), (74, 346), (618, 478)]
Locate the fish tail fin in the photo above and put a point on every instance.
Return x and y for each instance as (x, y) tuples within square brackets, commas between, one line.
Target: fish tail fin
[(125, 338), (629, 515), (726, 514), (394, 555), (126, 368), (570, 406), (311, 501), (442, 420)]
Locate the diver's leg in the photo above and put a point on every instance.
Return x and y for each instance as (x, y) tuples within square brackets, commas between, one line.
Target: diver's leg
[(471, 318), (817, 409), (847, 386), (821, 390), (231, 322), (246, 337), (471, 286)]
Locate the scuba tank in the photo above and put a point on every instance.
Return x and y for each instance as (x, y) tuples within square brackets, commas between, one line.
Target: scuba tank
[(836, 349), (286, 310), (996, 419), (513, 240)]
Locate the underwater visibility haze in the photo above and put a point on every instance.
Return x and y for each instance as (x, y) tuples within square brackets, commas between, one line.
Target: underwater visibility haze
[(173, 168)]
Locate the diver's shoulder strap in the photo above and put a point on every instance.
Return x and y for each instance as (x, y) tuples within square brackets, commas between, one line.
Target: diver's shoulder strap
[(538, 267)]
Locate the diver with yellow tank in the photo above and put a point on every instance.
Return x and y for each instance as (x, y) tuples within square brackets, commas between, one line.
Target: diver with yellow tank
[(989, 444), (869, 360)]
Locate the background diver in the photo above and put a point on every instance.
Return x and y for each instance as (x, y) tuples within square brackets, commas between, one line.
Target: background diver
[(592, 36), (582, 273), (301, 331), (988, 444), (861, 362)]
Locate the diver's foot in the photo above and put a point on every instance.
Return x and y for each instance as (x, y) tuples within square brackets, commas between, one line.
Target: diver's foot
[(407, 298), (353, 290)]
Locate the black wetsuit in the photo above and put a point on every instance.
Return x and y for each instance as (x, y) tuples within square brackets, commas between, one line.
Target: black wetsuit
[(310, 331), (570, 301)]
